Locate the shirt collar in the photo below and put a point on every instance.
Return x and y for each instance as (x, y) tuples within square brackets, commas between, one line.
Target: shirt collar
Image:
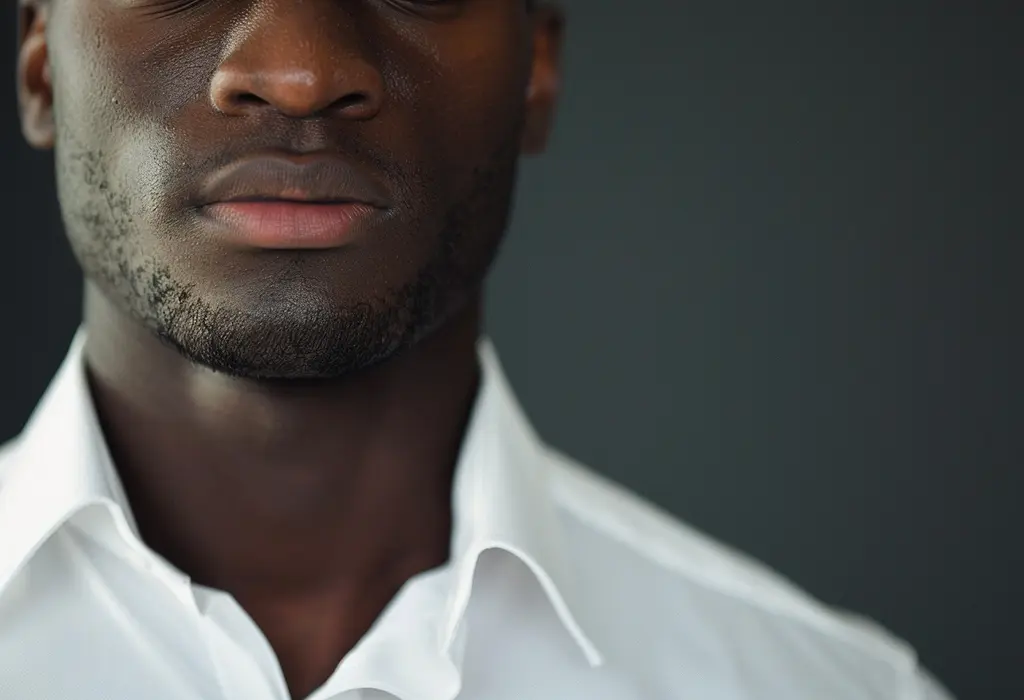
[(501, 497), (59, 467), (503, 500)]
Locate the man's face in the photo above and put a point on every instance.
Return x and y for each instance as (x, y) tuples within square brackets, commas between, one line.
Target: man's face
[(191, 137)]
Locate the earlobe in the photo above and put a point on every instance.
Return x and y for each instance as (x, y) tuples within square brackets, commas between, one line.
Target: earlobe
[(35, 83), (543, 89)]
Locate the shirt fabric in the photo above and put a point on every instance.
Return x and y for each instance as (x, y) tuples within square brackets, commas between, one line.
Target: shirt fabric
[(560, 586)]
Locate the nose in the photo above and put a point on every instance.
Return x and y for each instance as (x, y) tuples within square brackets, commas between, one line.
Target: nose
[(291, 58)]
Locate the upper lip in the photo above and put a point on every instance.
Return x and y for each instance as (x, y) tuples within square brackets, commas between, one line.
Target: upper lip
[(317, 178)]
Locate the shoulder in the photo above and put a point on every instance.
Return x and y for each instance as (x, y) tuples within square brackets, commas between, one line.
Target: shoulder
[(721, 610), (612, 511)]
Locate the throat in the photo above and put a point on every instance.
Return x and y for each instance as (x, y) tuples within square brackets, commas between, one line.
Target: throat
[(312, 580), (311, 634)]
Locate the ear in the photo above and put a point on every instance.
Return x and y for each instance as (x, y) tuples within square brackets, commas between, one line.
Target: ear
[(35, 85), (545, 77)]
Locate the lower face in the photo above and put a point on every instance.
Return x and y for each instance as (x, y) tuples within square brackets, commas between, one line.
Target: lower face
[(137, 135)]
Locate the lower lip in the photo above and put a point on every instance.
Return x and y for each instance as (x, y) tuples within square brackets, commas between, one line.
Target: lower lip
[(291, 225)]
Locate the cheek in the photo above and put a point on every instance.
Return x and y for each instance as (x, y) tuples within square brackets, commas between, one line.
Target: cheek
[(116, 90), (118, 67), (86, 91), (115, 152), (470, 107)]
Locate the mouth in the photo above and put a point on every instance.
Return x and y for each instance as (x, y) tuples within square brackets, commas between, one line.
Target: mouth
[(289, 224), (293, 202)]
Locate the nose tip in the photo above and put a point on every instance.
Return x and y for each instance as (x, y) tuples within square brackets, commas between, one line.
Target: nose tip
[(352, 91)]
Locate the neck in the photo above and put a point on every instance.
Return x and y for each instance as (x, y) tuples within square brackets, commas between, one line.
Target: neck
[(288, 492)]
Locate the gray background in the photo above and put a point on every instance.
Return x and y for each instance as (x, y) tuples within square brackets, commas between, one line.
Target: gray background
[(768, 277)]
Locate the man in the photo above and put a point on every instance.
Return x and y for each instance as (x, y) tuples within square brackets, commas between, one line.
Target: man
[(281, 460)]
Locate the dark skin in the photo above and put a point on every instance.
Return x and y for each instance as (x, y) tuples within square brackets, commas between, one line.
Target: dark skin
[(286, 422)]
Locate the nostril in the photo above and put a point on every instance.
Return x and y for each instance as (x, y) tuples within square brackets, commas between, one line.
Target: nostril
[(353, 99), (354, 105), (247, 98)]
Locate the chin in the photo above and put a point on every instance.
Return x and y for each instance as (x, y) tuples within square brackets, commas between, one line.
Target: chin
[(287, 345), (304, 333)]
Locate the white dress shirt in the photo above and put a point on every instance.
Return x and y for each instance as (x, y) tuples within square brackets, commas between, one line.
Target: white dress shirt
[(560, 586)]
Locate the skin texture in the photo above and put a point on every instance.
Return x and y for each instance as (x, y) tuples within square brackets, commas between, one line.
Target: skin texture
[(286, 421)]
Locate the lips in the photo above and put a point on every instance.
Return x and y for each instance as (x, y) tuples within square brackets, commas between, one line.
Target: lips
[(291, 202)]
